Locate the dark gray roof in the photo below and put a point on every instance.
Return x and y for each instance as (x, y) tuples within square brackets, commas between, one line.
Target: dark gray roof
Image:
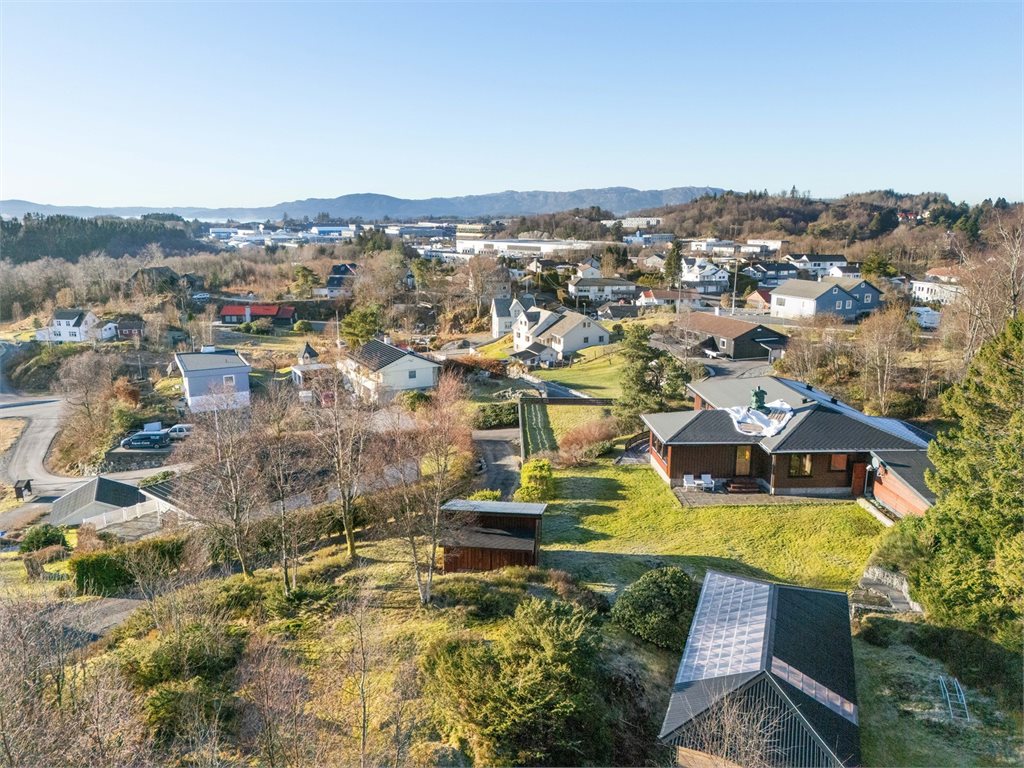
[(589, 282), (501, 307), (99, 489), (818, 429), (308, 351), (376, 354), (798, 638), (910, 466), (617, 311), (69, 314), (335, 281), (807, 289), (489, 538), (190, 362), (697, 428), (495, 507)]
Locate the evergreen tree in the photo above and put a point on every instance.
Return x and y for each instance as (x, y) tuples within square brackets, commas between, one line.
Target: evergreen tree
[(360, 325), (973, 538), (643, 376), (673, 263)]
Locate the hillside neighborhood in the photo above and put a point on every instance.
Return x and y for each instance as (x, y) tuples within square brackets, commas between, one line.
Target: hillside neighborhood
[(338, 494)]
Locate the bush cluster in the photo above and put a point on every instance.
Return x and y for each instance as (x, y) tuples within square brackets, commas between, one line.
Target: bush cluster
[(658, 607), (588, 440), (109, 571), (537, 482), (40, 536), (497, 415)]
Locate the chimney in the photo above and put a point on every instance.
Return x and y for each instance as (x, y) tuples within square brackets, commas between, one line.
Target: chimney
[(757, 396), (809, 387), (248, 313)]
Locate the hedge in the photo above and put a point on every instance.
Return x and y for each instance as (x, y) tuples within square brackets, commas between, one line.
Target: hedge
[(497, 415), (107, 572), (658, 607)]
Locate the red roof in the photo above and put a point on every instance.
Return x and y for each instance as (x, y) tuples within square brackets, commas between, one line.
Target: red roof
[(259, 310)]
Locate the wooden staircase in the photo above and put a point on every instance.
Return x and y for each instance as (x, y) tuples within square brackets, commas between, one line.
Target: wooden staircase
[(743, 485)]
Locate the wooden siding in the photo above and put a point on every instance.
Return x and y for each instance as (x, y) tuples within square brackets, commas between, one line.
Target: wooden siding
[(820, 477), (897, 496), (479, 559), (719, 461)]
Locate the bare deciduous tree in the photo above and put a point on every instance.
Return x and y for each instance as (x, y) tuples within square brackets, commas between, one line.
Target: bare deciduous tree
[(883, 340)]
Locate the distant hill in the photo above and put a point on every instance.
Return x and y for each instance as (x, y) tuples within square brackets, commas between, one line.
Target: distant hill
[(371, 206)]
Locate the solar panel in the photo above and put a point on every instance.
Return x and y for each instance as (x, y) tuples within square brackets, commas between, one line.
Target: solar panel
[(728, 631)]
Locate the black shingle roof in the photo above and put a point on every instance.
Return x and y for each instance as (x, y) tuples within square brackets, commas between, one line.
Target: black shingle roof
[(70, 314), (376, 354), (819, 429)]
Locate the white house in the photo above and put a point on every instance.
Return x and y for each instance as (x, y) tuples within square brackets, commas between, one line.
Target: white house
[(76, 325), (505, 311), (704, 276), (928, 291), (712, 245), (214, 379), (816, 264), (850, 269), (378, 371), (587, 269), (601, 289), (564, 333)]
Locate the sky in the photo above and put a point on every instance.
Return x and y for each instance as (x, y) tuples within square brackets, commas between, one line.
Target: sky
[(232, 104)]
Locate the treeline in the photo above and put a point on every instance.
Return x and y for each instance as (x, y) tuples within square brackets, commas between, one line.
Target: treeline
[(578, 224), (70, 238)]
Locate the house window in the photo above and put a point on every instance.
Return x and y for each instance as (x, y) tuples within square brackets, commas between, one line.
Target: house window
[(849, 304), (835, 290), (229, 381), (600, 339), (867, 298), (722, 343), (838, 462), (839, 304), (412, 374), (586, 339), (800, 465)]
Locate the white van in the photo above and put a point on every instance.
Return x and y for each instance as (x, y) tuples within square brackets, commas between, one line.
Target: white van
[(925, 317)]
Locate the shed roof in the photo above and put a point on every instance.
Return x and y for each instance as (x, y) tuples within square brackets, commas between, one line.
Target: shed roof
[(910, 467), (729, 327), (495, 507), (489, 538)]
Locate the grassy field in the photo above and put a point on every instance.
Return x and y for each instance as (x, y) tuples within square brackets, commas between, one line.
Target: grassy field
[(537, 429), (597, 372), (565, 418), (612, 523), (902, 720)]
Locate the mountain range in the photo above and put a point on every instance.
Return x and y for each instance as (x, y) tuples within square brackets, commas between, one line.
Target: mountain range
[(370, 206)]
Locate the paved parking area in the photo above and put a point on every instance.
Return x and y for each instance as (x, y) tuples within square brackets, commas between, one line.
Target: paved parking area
[(700, 498)]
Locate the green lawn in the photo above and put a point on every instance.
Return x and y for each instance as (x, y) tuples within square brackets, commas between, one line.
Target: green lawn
[(902, 721), (537, 429), (496, 350), (596, 372), (565, 418), (613, 523)]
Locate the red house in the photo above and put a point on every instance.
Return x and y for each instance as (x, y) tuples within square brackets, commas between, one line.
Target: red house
[(280, 315), (783, 437)]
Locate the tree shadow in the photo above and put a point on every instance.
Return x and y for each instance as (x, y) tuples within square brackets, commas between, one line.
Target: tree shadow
[(582, 488)]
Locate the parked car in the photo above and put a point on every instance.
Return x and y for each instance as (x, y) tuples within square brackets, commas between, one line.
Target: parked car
[(146, 440), (178, 431), (201, 298)]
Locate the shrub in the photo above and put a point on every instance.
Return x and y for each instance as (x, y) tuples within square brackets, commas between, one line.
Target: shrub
[(159, 477), (901, 546), (588, 440), (414, 399), (107, 571), (538, 481), (173, 709), (496, 415), (308, 597), (204, 649), (483, 599), (485, 494), (658, 607), (40, 536), (303, 326)]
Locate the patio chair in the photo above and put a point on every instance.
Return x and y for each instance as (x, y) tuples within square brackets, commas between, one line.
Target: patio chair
[(689, 482), (708, 482)]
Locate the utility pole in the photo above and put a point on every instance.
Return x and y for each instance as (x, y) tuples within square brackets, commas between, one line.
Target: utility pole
[(735, 277)]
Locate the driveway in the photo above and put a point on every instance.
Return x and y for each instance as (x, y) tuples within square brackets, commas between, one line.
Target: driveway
[(499, 448)]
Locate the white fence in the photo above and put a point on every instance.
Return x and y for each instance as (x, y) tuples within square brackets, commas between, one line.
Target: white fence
[(123, 515)]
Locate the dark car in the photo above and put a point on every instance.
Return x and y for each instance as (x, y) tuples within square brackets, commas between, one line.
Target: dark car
[(146, 440)]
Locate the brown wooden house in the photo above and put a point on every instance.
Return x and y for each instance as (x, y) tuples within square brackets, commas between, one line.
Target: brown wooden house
[(776, 435), (486, 535)]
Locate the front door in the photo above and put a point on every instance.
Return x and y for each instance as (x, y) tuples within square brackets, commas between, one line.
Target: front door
[(742, 461), (860, 471)]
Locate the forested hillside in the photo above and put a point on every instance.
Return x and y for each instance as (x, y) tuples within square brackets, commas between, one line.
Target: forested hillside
[(70, 238)]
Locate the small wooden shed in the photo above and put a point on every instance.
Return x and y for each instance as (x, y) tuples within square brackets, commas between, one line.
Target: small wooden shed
[(486, 535)]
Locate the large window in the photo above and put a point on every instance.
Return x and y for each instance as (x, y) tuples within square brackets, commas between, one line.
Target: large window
[(838, 462), (800, 465)]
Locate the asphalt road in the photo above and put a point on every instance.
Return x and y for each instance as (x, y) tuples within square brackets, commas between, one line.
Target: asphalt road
[(499, 448)]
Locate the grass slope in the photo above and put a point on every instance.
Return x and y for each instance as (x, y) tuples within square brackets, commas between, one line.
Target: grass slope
[(496, 350), (537, 429), (597, 372), (565, 418), (612, 523)]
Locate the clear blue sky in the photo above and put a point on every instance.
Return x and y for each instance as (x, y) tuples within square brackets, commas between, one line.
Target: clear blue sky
[(237, 104)]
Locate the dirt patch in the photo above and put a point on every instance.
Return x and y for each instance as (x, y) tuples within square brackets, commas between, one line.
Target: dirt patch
[(10, 431)]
